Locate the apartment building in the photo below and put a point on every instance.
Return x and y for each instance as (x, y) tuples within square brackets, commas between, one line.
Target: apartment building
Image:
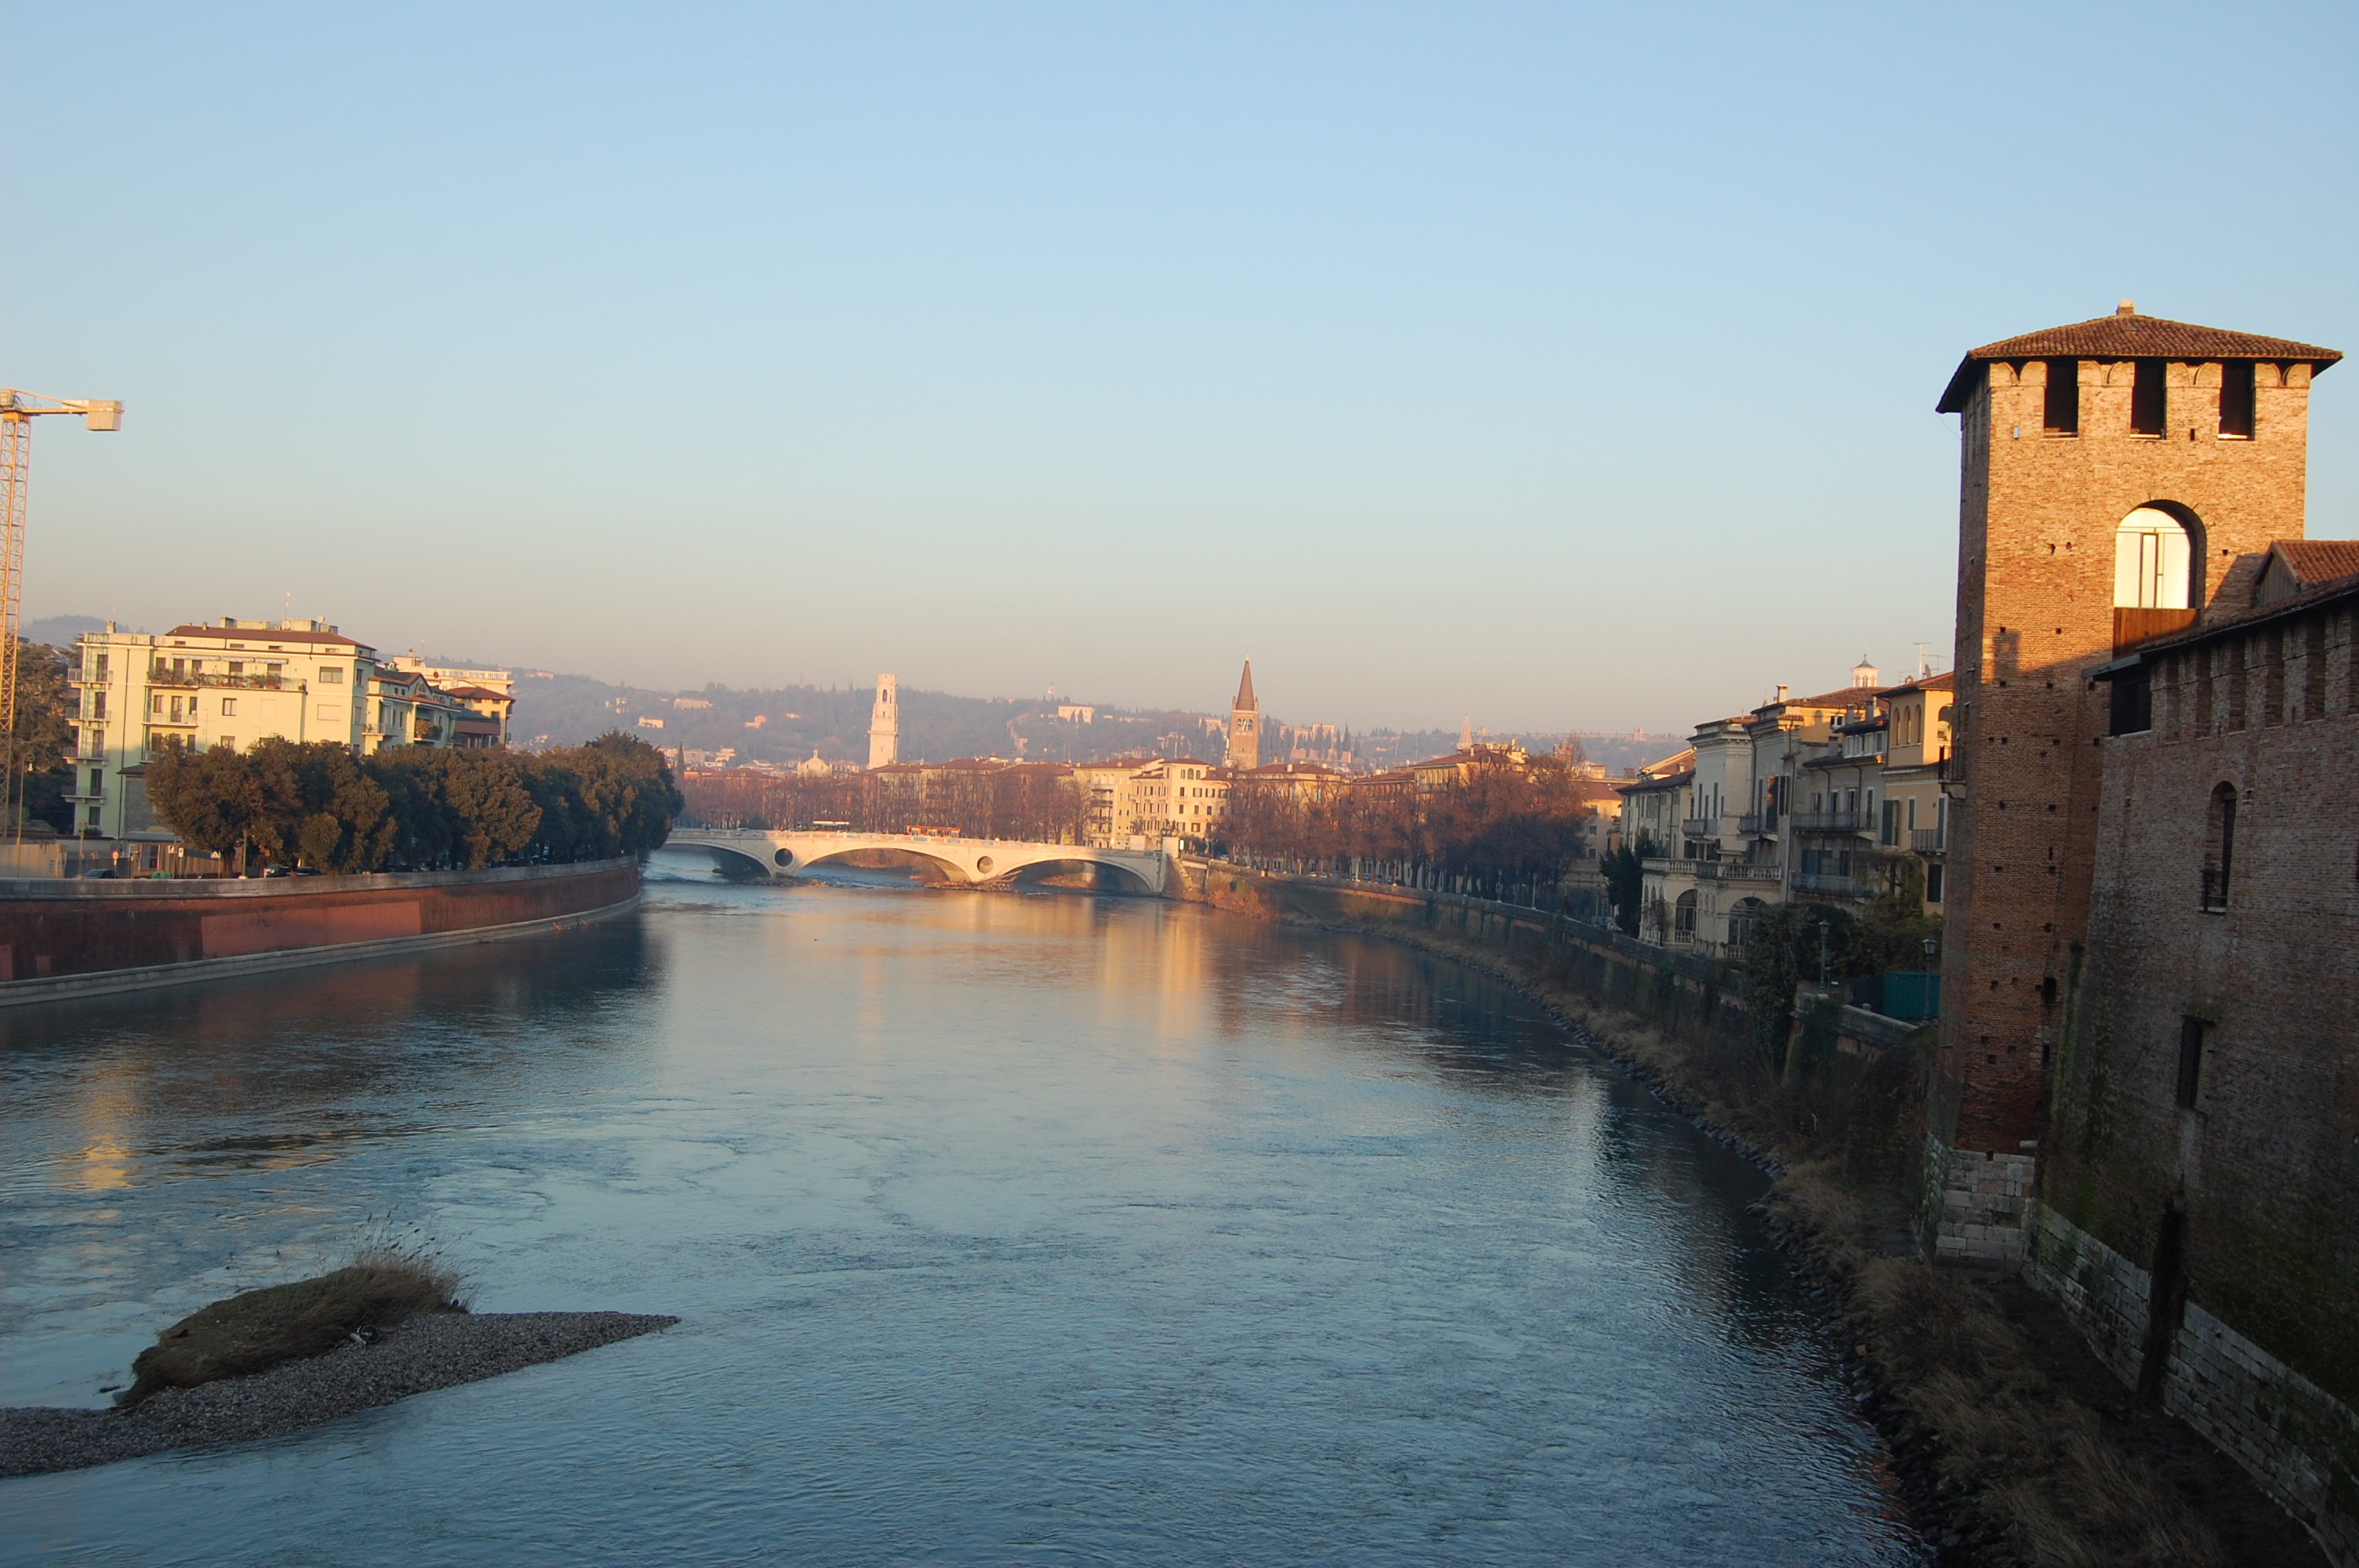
[(231, 683), (226, 682)]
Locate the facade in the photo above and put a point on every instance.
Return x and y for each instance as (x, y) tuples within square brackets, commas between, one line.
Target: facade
[(1245, 726), (2200, 1166), (488, 694), (2112, 474), (231, 683), (226, 682), (1916, 808), (885, 724)]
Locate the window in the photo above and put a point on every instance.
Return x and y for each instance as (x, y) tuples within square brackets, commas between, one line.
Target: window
[(98, 705), (1683, 918), (229, 707), (1933, 882), (2150, 561), (1891, 834), (331, 674), (236, 668), (2219, 847), (271, 673), (98, 781), (227, 743), (2147, 398), (100, 674), (2236, 399), (2061, 412), (2190, 1059), (2133, 701)]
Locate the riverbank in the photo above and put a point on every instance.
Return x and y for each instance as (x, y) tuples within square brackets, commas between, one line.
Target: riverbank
[(61, 940), (437, 1350), (2010, 1442)]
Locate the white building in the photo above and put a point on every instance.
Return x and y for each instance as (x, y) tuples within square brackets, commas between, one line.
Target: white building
[(885, 724), (231, 683)]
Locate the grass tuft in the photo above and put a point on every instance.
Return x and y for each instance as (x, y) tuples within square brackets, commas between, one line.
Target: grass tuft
[(387, 1281)]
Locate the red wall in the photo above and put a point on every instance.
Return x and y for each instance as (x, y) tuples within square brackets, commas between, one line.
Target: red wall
[(80, 928)]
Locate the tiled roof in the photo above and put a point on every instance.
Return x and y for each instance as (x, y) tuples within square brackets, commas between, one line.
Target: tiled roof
[(2316, 561), (2309, 597), (2126, 335), (274, 634)]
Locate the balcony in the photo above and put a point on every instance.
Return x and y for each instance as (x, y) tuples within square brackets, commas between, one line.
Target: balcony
[(1738, 871), (1757, 822), (1701, 827), (1832, 822), (1925, 841), (1826, 882), (237, 683), (2132, 627)]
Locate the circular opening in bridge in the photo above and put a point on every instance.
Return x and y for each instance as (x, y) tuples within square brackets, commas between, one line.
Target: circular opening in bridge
[(784, 857), (982, 862)]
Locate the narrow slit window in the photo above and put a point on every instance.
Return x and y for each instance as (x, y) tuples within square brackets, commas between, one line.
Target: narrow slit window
[(2061, 411), (2236, 398), (2146, 400), (2219, 847), (2190, 1060)]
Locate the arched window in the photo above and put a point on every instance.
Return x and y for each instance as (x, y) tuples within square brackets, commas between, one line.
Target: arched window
[(1741, 921), (2150, 562), (2219, 846), (1683, 917)]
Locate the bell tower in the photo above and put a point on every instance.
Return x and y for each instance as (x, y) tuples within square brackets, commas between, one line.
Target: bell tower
[(1245, 725), (885, 724), (2114, 473)]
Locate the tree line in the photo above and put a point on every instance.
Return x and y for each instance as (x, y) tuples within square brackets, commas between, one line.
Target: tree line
[(1506, 826), (415, 807)]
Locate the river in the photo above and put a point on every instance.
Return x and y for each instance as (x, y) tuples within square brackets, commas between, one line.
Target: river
[(1005, 1228)]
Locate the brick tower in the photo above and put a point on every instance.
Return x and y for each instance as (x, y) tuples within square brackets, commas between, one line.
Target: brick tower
[(2112, 472), (1245, 725)]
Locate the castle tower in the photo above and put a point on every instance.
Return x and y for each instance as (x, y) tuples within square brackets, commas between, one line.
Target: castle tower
[(2111, 474), (885, 724), (1245, 725)]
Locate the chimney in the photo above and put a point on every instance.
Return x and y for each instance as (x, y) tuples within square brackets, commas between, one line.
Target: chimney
[(1782, 689), (2126, 307)]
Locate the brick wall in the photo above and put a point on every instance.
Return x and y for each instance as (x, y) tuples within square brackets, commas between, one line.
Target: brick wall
[(2037, 521), (2267, 1158), (2299, 1442)]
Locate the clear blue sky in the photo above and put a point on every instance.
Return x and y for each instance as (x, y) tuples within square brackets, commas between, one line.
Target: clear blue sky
[(1561, 367)]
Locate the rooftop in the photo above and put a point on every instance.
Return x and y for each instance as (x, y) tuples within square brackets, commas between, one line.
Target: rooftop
[(2126, 335)]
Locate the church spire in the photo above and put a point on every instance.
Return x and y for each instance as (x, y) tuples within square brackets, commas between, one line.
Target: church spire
[(1244, 702)]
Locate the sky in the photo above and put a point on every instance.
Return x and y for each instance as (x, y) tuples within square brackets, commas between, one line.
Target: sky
[(1558, 367)]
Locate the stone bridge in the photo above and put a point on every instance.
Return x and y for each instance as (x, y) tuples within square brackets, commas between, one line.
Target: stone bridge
[(968, 861)]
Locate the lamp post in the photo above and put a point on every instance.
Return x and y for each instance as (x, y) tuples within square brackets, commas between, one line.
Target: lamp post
[(1932, 947)]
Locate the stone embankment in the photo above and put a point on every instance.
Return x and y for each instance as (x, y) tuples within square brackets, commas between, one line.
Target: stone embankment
[(437, 1350), (2006, 1441)]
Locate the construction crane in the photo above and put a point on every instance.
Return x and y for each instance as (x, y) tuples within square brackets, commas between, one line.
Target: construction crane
[(17, 412)]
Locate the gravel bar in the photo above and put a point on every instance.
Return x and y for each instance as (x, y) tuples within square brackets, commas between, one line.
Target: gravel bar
[(438, 1351)]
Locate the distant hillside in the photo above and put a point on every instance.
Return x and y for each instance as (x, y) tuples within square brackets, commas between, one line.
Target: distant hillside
[(787, 724), (59, 631)]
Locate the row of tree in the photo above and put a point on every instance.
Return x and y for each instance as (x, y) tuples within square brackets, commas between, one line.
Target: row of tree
[(1040, 805), (415, 807), (1506, 825)]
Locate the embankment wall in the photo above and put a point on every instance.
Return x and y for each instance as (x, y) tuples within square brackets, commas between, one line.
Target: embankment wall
[(69, 938)]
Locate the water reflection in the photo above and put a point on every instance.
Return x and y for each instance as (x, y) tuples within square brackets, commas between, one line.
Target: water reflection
[(1006, 1227)]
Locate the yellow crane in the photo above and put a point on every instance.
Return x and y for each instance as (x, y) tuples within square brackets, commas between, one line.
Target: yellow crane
[(17, 412)]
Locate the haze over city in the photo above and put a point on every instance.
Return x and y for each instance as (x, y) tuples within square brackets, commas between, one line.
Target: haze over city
[(1571, 369)]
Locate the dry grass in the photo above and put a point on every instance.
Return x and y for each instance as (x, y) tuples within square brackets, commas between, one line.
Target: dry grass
[(2021, 1465), (386, 1282)]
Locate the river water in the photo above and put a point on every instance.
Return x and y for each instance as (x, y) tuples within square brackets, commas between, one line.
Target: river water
[(1005, 1228)]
